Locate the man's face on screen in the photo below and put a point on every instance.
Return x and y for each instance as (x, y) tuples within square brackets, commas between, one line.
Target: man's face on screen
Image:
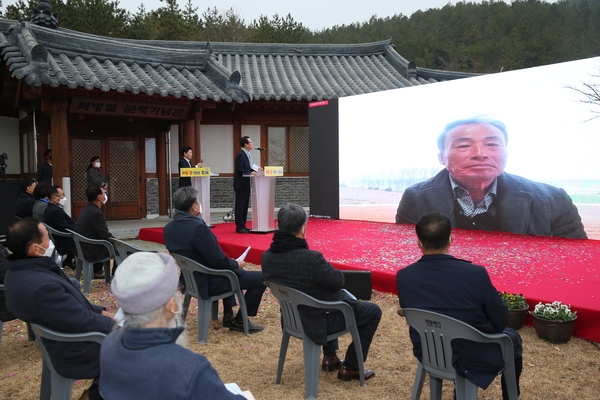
[(474, 154)]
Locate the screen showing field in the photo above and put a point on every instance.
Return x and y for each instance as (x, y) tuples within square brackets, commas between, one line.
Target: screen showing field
[(388, 140)]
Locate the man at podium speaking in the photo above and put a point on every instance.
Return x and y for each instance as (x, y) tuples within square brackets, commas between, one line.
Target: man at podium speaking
[(241, 184), (186, 162)]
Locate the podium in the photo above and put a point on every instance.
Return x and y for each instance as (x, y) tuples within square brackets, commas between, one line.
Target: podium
[(263, 203), (201, 182)]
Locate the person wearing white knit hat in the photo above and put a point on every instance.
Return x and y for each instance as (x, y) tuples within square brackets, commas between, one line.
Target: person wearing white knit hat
[(143, 360)]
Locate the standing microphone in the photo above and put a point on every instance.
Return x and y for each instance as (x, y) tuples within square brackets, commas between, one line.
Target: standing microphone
[(260, 148)]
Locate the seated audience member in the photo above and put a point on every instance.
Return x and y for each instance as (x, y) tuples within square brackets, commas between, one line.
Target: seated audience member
[(189, 236), (441, 283), (145, 360), (289, 262), (5, 315), (92, 224), (62, 199), (40, 193), (25, 201), (56, 218), (37, 291)]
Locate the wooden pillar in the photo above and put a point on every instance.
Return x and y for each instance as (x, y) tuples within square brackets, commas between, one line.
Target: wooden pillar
[(188, 136), (161, 165), (61, 158)]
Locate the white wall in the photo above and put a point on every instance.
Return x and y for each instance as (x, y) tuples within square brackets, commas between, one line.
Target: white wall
[(254, 132), (217, 144), (9, 144)]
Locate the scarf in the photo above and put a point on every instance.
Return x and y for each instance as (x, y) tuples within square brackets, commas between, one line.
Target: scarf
[(284, 242)]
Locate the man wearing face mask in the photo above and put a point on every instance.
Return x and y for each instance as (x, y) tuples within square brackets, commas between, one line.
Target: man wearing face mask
[(92, 224), (150, 343), (56, 218), (37, 291)]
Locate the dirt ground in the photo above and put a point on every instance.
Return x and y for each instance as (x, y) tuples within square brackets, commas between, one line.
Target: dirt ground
[(551, 371)]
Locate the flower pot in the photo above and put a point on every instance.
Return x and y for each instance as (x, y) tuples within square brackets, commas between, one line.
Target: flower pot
[(517, 318), (554, 331)]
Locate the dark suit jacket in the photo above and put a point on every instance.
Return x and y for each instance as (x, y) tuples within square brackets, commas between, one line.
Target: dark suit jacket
[(183, 163), (307, 271), (38, 291), (524, 206), (92, 224), (44, 173), (189, 236), (24, 205), (459, 289), (242, 167), (57, 218), (5, 315)]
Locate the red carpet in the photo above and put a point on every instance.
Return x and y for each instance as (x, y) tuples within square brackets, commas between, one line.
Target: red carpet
[(542, 268)]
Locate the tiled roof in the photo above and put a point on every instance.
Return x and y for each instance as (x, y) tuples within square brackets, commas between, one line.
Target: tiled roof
[(201, 70)]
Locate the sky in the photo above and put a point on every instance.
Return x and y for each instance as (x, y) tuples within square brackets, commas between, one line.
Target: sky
[(313, 14)]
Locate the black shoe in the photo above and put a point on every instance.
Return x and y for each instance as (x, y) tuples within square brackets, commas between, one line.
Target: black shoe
[(241, 230), (227, 320), (238, 326)]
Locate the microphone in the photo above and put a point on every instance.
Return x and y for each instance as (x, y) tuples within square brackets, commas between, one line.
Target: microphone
[(260, 148)]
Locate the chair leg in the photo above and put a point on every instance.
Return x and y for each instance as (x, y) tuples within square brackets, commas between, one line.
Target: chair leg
[(61, 387), (242, 302), (312, 356), (465, 390), (78, 268), (45, 387), (435, 388), (203, 320), (30, 334), (186, 305), (214, 313), (1, 328), (418, 384), (107, 271), (88, 270), (359, 355), (285, 339)]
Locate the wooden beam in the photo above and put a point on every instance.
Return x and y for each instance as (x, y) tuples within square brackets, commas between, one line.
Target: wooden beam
[(161, 169), (61, 157)]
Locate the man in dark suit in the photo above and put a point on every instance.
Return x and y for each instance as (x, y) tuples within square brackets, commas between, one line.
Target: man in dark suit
[(92, 224), (37, 291), (289, 262), (241, 184), (25, 201), (56, 218), (186, 162), (189, 236), (44, 172), (441, 283), (476, 193)]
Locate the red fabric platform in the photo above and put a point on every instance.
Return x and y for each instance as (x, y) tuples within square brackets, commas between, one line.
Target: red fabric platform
[(542, 268)]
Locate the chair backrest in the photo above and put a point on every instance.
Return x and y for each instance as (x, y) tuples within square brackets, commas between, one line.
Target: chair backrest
[(54, 232), (123, 250), (43, 332), (437, 332), (79, 239), (289, 299), (189, 266)]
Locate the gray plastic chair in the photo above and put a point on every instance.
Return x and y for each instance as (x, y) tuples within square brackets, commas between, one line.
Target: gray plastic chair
[(54, 385), (54, 232), (437, 332), (188, 267), (289, 299), (87, 266), (124, 250)]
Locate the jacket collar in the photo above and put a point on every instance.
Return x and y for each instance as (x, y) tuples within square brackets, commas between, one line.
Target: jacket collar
[(143, 338)]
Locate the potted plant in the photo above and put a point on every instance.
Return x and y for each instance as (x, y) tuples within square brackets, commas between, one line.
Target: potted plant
[(517, 305), (554, 322)]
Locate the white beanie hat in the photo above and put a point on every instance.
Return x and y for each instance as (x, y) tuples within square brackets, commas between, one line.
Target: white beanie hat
[(145, 282)]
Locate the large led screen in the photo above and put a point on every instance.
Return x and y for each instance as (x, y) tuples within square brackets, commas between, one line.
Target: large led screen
[(525, 151)]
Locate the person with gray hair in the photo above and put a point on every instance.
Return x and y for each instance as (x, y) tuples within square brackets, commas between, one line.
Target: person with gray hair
[(289, 262), (475, 193), (144, 360), (189, 236)]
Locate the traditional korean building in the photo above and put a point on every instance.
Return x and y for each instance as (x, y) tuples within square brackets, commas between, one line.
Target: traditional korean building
[(136, 103)]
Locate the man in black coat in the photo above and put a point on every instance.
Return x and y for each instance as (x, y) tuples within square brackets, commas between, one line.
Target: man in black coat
[(289, 262), (44, 172), (476, 193), (441, 283), (37, 291), (25, 201), (92, 224), (189, 236), (241, 184), (56, 218), (186, 162)]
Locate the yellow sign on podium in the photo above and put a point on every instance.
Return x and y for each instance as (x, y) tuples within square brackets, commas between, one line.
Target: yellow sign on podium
[(194, 172), (273, 171)]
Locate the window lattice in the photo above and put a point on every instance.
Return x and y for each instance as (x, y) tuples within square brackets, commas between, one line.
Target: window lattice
[(299, 149), (151, 155), (277, 145), (123, 171), (83, 151)]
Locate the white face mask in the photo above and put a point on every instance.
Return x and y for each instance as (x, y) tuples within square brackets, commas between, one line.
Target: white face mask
[(97, 164), (62, 201), (47, 252), (105, 198)]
